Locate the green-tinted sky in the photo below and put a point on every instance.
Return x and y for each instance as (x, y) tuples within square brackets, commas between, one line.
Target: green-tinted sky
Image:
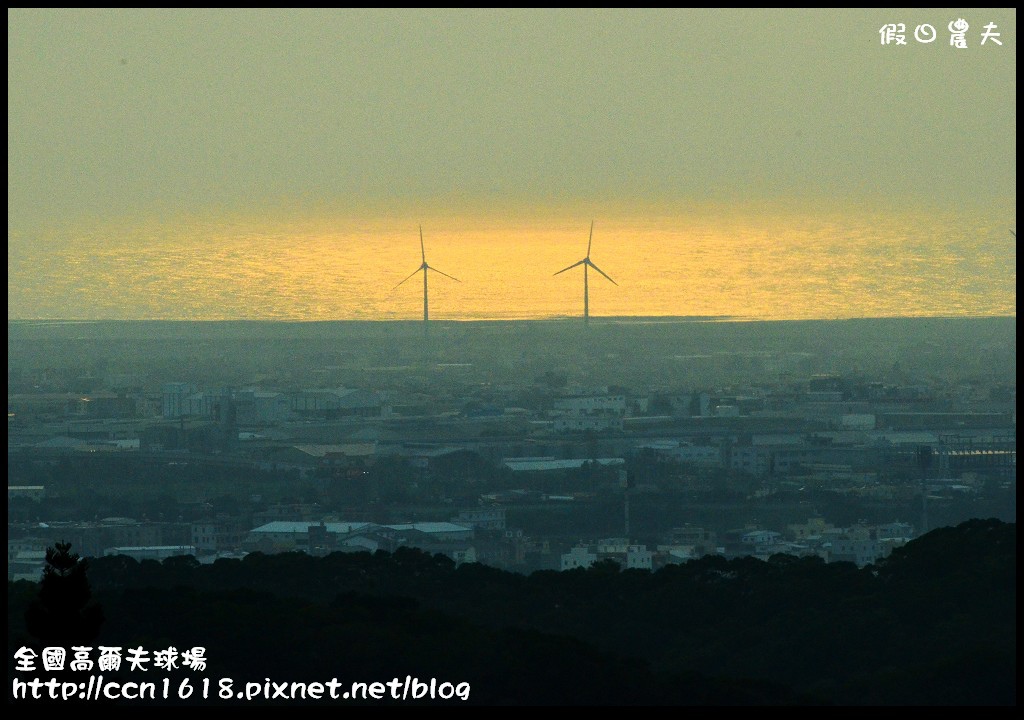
[(117, 112)]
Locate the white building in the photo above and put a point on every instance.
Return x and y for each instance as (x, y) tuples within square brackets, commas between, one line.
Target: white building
[(628, 556), (308, 536), (595, 413), (152, 552), (894, 530), (579, 557), (550, 464), (340, 402), (488, 518), (587, 423), (174, 399), (26, 565), (761, 537), (638, 557), (856, 550), (32, 492), (591, 404)]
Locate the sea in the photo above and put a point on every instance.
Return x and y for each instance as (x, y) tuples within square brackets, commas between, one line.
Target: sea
[(712, 262)]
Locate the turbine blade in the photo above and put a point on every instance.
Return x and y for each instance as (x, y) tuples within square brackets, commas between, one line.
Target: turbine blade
[(443, 273), (423, 251), (602, 272), (591, 240), (408, 278), (570, 267)]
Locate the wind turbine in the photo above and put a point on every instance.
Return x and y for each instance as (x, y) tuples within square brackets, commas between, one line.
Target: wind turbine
[(424, 267), (585, 262)]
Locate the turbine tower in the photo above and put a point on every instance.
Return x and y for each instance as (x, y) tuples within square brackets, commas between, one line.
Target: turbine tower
[(424, 267), (585, 262)]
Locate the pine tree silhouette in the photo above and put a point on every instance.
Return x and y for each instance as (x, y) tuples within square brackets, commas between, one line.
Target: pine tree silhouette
[(62, 614)]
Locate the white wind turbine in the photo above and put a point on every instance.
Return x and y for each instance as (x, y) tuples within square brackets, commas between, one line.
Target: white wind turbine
[(585, 262), (424, 267)]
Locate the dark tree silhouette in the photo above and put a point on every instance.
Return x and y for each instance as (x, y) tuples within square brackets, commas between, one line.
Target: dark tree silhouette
[(62, 613)]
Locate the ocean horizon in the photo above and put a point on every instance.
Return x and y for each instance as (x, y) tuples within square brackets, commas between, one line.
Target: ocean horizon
[(710, 264)]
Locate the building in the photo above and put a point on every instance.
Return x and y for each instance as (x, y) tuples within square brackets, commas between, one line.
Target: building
[(629, 556), (589, 413), (861, 551), (32, 492), (548, 464), (174, 397), (26, 565), (487, 518), (262, 407), (339, 403), (322, 537), (578, 557), (217, 535), (152, 552)]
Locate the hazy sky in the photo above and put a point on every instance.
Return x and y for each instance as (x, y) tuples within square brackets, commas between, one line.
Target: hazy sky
[(117, 112)]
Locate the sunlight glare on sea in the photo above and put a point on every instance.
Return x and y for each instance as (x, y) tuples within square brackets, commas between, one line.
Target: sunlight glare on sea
[(743, 264)]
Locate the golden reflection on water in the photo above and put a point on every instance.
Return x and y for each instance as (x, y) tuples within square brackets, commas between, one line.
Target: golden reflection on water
[(783, 266)]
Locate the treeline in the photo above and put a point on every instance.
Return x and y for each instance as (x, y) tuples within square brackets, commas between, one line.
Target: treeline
[(934, 624)]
